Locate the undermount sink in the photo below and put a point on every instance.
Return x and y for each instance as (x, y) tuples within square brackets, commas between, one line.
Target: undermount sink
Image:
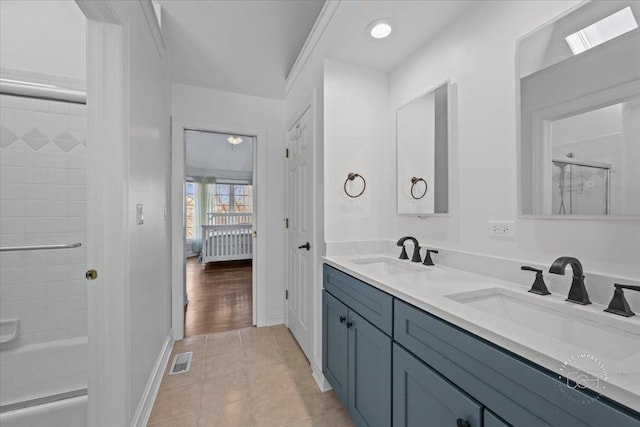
[(599, 334), (388, 266)]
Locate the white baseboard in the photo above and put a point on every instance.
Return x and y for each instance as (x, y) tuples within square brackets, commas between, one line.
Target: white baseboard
[(273, 319), (322, 382), (141, 416)]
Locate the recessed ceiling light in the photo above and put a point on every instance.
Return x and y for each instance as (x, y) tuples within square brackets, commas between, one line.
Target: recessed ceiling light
[(380, 28), (234, 140)]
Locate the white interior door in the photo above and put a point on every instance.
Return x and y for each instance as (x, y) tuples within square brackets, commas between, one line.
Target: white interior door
[(300, 248)]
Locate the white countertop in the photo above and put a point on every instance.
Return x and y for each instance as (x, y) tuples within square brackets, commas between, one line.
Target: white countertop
[(618, 379)]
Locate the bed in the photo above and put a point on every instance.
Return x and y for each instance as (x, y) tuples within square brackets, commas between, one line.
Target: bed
[(226, 237)]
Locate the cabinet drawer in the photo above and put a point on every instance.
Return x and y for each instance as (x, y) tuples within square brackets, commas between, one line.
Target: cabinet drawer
[(371, 303), (511, 387)]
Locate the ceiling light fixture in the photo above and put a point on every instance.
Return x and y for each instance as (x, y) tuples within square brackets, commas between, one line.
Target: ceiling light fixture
[(234, 140), (380, 28)]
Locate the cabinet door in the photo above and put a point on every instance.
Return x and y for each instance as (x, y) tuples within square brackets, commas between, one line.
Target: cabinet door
[(490, 420), (421, 397), (369, 373), (335, 337)]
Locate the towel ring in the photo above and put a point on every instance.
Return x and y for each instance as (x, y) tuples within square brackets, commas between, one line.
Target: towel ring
[(351, 177), (414, 181)]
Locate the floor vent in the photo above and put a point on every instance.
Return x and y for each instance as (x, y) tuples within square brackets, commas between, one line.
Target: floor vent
[(181, 363)]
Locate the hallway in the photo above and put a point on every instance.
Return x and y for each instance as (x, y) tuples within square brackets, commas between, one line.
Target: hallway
[(220, 297)]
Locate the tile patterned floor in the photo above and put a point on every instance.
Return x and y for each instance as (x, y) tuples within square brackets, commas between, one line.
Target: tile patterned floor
[(252, 377)]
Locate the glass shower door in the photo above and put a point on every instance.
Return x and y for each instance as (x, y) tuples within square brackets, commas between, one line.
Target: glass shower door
[(43, 231)]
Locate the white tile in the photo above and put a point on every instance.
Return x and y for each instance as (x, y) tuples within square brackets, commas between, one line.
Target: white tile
[(77, 255), (12, 158), (58, 225), (12, 191), (58, 159), (58, 176), (12, 224), (51, 322), (77, 208), (77, 224), (13, 277), (78, 176), (13, 259), (77, 160), (58, 273), (35, 192), (7, 137), (11, 309), (77, 287), (57, 289), (12, 208), (77, 192), (12, 239), (36, 225), (14, 118), (78, 319), (36, 208), (57, 191), (12, 174), (77, 303), (57, 208), (60, 122), (35, 175), (23, 292)]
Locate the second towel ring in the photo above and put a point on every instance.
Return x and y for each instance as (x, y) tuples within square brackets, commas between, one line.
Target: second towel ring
[(351, 177), (416, 180)]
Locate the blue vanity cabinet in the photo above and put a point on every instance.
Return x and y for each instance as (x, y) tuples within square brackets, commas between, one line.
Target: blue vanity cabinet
[(422, 398), (518, 391), (356, 352), (335, 349)]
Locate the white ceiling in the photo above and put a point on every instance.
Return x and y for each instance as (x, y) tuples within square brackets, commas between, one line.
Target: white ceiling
[(244, 46), (415, 23), (210, 152)]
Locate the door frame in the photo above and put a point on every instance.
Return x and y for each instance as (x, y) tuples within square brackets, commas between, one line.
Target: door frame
[(178, 233), (108, 296)]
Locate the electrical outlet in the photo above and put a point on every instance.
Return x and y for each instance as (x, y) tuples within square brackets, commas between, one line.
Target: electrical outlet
[(504, 229)]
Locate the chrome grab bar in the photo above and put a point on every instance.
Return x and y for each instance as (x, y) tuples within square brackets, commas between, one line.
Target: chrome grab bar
[(39, 247)]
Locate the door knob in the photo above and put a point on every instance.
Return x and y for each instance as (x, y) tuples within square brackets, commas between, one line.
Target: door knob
[(462, 423), (91, 274), (306, 246)]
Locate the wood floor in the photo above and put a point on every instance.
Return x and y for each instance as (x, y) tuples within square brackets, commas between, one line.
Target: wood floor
[(220, 297)]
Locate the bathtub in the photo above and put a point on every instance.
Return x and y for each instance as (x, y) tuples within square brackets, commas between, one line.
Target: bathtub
[(44, 384)]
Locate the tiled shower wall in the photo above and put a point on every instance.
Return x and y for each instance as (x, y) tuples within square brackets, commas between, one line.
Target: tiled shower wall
[(43, 195)]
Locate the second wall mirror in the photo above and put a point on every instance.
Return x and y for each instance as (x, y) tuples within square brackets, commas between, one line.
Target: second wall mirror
[(422, 138)]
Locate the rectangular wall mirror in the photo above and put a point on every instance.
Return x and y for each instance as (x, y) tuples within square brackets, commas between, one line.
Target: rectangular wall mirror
[(422, 149), (579, 108)]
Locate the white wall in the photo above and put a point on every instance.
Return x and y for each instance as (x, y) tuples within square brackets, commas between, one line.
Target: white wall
[(149, 184), (192, 104), (477, 52), (45, 37), (356, 138)]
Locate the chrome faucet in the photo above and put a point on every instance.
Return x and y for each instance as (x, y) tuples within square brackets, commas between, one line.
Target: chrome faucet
[(416, 249), (578, 292)]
